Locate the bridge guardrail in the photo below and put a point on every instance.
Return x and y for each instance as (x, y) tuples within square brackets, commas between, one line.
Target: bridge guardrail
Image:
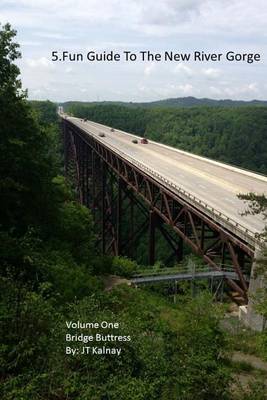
[(193, 199), (248, 235), (181, 269)]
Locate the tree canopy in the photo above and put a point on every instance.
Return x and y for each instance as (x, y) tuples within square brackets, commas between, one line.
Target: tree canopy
[(232, 135)]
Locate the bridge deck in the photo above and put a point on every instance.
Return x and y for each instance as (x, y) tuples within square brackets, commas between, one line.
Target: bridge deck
[(212, 184)]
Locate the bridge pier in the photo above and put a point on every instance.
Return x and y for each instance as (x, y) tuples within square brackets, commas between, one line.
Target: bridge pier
[(247, 314)]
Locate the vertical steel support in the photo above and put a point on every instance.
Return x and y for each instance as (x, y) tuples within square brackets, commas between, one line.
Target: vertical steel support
[(65, 146), (119, 214), (180, 250), (131, 228), (103, 206), (82, 169), (151, 241), (87, 176), (93, 181)]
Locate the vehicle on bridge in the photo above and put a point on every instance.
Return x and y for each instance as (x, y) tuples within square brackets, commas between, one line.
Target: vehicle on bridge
[(112, 129), (85, 119), (101, 134), (144, 141), (135, 141)]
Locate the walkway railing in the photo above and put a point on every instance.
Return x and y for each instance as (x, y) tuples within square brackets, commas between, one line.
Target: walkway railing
[(182, 273)]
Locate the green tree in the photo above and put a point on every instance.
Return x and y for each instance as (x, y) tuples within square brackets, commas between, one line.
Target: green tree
[(10, 85), (26, 165)]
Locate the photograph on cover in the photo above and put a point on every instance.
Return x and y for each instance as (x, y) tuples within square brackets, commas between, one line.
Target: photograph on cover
[(133, 228)]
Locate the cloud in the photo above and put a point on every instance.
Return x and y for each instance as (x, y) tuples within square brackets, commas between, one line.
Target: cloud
[(149, 69), (212, 73), (52, 35), (41, 62), (68, 70), (160, 18), (175, 25), (237, 91), (253, 87), (185, 89), (166, 12), (215, 91), (184, 69), (29, 43), (164, 91)]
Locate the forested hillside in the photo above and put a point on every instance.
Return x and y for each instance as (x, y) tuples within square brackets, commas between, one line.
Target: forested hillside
[(175, 103), (233, 135), (193, 101)]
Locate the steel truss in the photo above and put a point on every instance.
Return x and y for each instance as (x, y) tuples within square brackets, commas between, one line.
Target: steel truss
[(113, 188)]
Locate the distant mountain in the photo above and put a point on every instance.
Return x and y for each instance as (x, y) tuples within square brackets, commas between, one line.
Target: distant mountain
[(193, 101), (177, 102)]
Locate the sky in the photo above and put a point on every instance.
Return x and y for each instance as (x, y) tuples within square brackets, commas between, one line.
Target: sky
[(79, 26)]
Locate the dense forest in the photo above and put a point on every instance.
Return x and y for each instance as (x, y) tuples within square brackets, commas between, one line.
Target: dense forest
[(50, 274), (233, 135)]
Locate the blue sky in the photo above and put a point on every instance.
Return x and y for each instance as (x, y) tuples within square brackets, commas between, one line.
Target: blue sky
[(178, 25)]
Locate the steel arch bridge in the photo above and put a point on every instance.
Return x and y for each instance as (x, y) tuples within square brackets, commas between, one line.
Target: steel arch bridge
[(117, 188)]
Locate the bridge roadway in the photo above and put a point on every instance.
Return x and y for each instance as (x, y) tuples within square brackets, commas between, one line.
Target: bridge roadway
[(213, 185)]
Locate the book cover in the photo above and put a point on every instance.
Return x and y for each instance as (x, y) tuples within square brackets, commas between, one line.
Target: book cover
[(133, 160)]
